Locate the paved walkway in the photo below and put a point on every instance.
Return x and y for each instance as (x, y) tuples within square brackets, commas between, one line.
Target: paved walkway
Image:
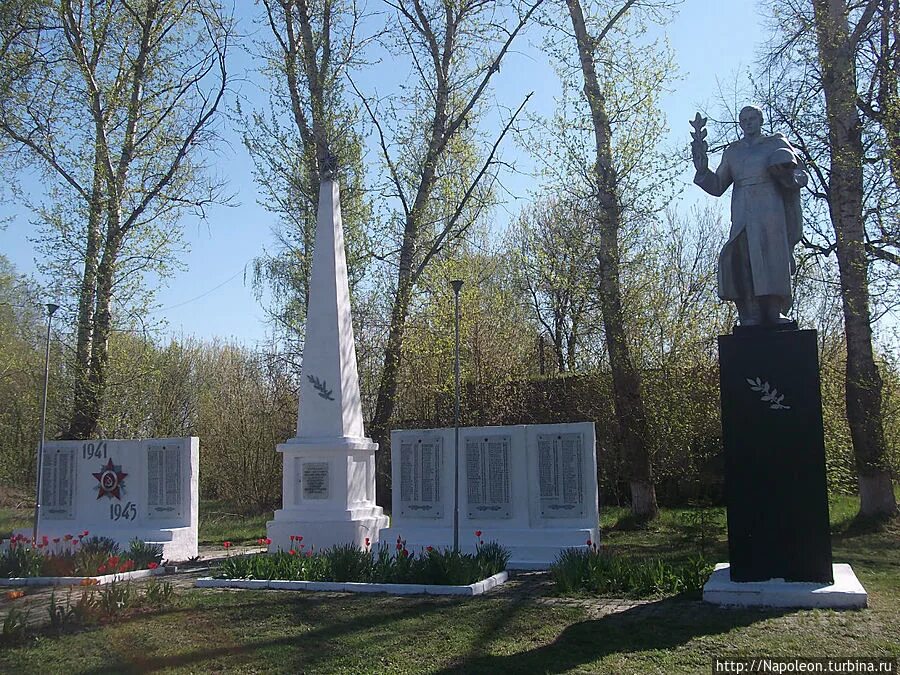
[(534, 587)]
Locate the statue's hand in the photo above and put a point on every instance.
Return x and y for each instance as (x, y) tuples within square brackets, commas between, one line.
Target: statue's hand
[(698, 154)]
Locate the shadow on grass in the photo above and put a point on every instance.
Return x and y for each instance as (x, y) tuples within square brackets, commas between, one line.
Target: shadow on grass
[(865, 525), (629, 522), (662, 625), (313, 645)]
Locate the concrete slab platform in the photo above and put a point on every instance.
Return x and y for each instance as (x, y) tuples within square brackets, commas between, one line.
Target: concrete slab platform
[(845, 593)]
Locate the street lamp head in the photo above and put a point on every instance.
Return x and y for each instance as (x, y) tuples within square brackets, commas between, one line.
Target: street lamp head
[(51, 308), (457, 284)]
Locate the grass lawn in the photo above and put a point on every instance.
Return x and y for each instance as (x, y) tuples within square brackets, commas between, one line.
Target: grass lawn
[(220, 522), (260, 631)]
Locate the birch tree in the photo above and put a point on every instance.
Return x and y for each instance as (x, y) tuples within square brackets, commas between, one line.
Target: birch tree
[(121, 104)]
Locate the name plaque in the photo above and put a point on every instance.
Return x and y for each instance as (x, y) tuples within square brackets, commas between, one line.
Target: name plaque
[(421, 465), (487, 477), (58, 483), (561, 475), (164, 473), (315, 480)]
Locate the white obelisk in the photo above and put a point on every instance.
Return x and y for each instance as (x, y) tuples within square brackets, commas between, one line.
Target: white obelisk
[(329, 467)]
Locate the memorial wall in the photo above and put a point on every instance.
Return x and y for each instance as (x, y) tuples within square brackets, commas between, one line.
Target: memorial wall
[(532, 488), (123, 489)]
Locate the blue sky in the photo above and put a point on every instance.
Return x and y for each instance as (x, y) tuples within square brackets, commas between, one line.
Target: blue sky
[(714, 43)]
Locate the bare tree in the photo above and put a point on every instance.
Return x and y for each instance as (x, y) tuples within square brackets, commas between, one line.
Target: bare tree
[(122, 101), (555, 263), (434, 174), (827, 79)]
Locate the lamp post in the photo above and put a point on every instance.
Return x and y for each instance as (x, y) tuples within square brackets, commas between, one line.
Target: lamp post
[(51, 308), (457, 285)]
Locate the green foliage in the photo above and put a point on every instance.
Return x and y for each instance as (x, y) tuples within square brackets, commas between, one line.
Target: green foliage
[(15, 625), (378, 565), (143, 553), (97, 555), (348, 562), (492, 558), (102, 545), (115, 597), (158, 594), (701, 527), (19, 560), (591, 570), (60, 614)]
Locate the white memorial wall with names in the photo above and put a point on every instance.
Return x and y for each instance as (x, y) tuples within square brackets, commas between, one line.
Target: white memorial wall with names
[(533, 488), (123, 489)]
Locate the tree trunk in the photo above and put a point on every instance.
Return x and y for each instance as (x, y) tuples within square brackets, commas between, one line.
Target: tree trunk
[(629, 405), (102, 330), (864, 385), (387, 390), (78, 421)]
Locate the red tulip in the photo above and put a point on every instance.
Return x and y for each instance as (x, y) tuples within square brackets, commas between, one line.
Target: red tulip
[(367, 542), (405, 553), (589, 542), (399, 546), (292, 552), (292, 537), (429, 549), (226, 544), (309, 553), (101, 569), (478, 533), (299, 538), (45, 540), (152, 566), (267, 541)]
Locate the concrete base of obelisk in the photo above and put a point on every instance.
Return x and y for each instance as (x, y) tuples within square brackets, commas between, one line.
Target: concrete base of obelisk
[(329, 495)]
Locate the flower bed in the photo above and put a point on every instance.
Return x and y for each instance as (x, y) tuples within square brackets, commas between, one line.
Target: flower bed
[(74, 558), (379, 569), (593, 570)]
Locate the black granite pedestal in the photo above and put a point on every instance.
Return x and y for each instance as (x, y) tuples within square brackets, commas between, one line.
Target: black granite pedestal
[(775, 486)]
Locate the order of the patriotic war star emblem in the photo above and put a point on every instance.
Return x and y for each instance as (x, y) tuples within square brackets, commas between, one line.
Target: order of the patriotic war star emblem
[(111, 479)]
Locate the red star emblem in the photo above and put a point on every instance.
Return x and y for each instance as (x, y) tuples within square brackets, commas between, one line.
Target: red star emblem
[(110, 478)]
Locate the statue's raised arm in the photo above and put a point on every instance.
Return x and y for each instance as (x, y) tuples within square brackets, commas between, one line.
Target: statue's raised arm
[(756, 263)]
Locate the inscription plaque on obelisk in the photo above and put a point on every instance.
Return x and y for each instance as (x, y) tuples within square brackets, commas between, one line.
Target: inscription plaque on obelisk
[(315, 480)]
